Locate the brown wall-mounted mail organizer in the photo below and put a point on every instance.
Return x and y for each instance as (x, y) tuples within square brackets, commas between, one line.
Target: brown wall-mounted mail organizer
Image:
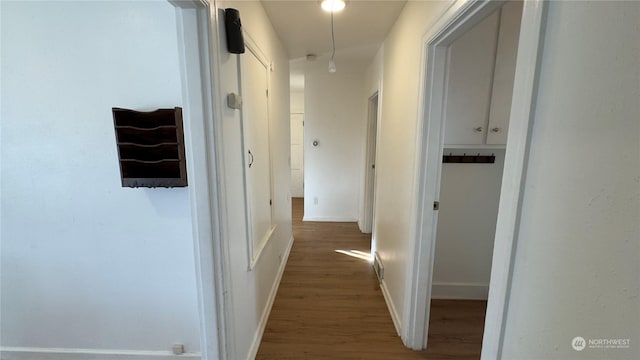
[(469, 159), (150, 147)]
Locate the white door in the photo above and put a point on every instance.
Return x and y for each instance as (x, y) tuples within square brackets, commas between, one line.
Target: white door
[(255, 121), (370, 166), (297, 155)]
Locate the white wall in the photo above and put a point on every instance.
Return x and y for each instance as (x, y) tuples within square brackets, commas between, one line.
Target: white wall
[(335, 116), (396, 153), (576, 266), (469, 197), (253, 290), (87, 264)]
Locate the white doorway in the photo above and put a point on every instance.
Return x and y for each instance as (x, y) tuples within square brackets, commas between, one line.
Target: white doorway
[(370, 166), (455, 22), (480, 69), (480, 73)]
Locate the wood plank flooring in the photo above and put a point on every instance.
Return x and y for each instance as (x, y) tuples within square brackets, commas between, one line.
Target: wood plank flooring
[(329, 305)]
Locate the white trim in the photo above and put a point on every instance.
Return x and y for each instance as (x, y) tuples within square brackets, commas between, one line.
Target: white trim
[(458, 18), (261, 247), (253, 47), (397, 321), (215, 154), (459, 291), (22, 353), (197, 77), (525, 89), (328, 219), (257, 339)]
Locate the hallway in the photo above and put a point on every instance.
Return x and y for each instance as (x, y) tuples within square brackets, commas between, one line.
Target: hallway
[(329, 305)]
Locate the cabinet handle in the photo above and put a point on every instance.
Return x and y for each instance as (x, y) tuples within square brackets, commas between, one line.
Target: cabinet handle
[(495, 130), (250, 158), (478, 129)]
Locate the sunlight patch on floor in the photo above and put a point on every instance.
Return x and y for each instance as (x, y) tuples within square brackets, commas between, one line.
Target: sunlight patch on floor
[(357, 254)]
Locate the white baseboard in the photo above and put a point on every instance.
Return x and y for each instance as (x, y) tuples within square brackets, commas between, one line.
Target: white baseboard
[(397, 323), (460, 291), (24, 353), (327, 219), (257, 339)]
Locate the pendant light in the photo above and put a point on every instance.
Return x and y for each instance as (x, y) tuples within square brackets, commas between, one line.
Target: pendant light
[(332, 63), (332, 5)]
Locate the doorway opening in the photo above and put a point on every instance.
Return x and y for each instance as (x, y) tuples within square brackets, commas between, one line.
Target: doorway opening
[(479, 86), (433, 142), (480, 70), (457, 21)]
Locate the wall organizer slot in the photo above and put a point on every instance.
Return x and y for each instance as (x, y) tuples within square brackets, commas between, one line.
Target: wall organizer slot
[(150, 147), (469, 159)]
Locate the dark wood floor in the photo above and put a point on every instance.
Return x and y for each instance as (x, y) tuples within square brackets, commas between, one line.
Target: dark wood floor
[(329, 305)]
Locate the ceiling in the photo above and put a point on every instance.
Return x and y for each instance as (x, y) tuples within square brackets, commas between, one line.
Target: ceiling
[(304, 28)]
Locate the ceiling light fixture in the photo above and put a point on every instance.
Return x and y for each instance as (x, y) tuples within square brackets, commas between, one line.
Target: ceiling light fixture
[(332, 64), (333, 5)]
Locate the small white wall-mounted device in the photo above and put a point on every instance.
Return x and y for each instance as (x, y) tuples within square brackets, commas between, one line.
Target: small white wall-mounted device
[(234, 101), (178, 349)]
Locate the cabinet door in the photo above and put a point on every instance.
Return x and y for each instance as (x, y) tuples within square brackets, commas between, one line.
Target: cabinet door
[(504, 72), (255, 118), (297, 155), (471, 62)]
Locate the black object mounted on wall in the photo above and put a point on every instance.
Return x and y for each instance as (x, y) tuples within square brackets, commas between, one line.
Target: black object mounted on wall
[(150, 147), (233, 28), (469, 159)]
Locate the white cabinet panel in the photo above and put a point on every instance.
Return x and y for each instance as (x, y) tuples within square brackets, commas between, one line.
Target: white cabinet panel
[(480, 80), (297, 183), (471, 62), (297, 155), (255, 118), (297, 129), (504, 72)]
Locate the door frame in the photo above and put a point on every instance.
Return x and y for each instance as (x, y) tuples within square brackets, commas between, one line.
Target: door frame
[(198, 49), (460, 16), (368, 211)]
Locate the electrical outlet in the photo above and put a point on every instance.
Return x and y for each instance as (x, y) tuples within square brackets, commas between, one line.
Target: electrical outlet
[(315, 200), (178, 349)]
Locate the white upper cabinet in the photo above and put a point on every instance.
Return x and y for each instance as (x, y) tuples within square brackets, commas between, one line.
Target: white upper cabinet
[(480, 80), (504, 72), (471, 60)]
